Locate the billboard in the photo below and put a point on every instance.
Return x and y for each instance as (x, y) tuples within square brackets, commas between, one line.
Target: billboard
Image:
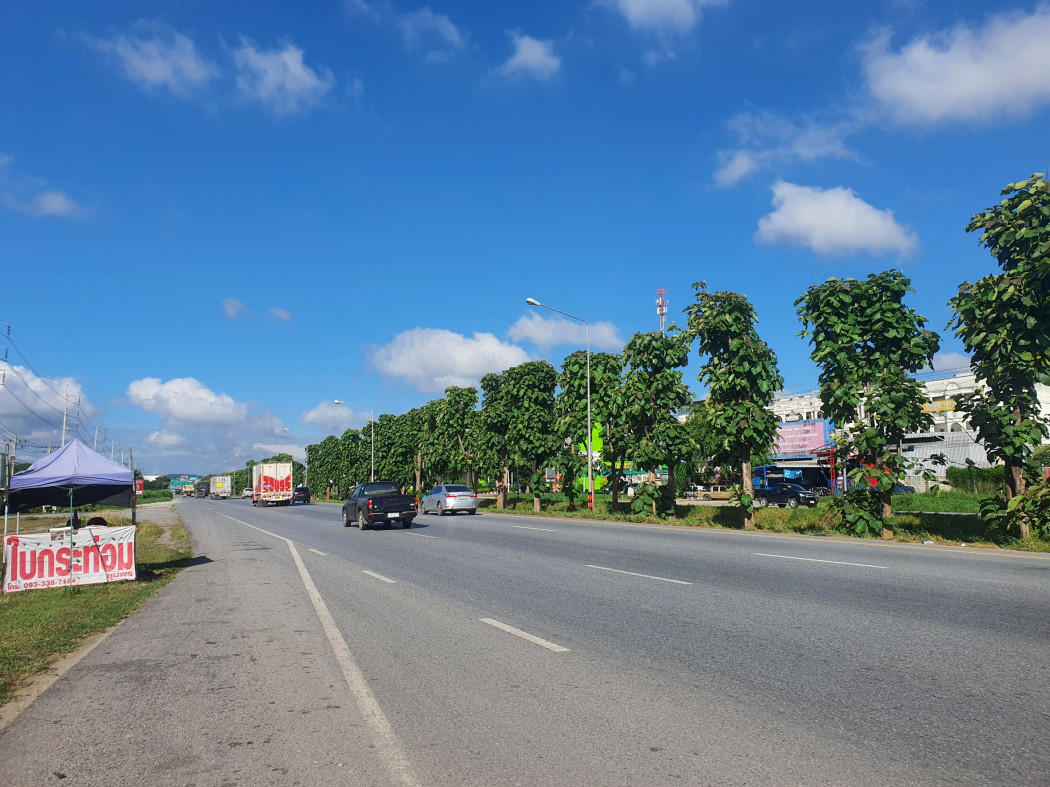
[(88, 556), (801, 437)]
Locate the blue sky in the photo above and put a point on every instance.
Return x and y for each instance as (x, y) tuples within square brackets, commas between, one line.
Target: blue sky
[(216, 218)]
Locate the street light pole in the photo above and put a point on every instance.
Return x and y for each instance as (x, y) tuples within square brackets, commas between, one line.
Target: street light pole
[(372, 417), (590, 447)]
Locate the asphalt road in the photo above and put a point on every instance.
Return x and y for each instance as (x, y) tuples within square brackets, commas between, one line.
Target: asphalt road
[(516, 650)]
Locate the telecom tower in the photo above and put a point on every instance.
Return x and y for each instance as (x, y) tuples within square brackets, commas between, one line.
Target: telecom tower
[(661, 308)]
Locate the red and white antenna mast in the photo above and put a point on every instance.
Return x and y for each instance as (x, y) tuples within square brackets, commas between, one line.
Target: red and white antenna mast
[(661, 308)]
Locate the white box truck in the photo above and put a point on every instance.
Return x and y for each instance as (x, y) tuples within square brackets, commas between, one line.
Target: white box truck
[(272, 483), (221, 485)]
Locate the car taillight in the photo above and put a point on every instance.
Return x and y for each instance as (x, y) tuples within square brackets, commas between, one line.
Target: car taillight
[(415, 502), (450, 497), (369, 502), (474, 497)]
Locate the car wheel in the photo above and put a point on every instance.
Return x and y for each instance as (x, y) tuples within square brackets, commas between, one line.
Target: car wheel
[(406, 523), (706, 497), (763, 503), (441, 509), (472, 511), (346, 519), (361, 521), (792, 502)]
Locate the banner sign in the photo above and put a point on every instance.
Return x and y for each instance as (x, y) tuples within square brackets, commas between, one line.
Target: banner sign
[(45, 560), (800, 437)]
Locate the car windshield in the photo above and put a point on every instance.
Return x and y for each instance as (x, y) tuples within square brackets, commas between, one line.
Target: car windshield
[(457, 488), (380, 489)]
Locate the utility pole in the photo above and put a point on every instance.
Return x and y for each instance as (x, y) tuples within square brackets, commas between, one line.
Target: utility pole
[(65, 411), (95, 447)]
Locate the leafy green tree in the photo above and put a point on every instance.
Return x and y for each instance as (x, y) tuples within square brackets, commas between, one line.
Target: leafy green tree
[(456, 416), (742, 377), (653, 393), (1003, 321), (494, 422), (867, 344), (324, 461), (529, 392)]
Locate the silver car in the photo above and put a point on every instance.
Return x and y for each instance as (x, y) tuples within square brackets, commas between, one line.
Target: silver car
[(451, 498)]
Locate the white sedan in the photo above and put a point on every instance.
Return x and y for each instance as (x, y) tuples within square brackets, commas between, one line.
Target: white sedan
[(451, 498)]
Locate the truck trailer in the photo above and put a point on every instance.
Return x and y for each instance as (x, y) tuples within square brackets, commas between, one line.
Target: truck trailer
[(272, 483), (221, 486)]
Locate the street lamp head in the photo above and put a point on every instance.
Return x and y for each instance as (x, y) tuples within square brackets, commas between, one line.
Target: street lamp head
[(338, 401), (533, 302)]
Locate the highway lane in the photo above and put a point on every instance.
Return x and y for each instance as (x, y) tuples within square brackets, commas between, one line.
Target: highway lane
[(825, 658)]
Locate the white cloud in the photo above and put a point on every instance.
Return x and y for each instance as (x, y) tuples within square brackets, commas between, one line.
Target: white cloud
[(370, 10), (531, 57), (766, 140), (187, 401), (547, 332), (335, 417), (986, 73), (46, 203), (281, 314), (432, 359), (279, 78), (435, 32), (31, 406), (832, 222), (233, 307), (679, 16), (167, 442), (157, 57), (948, 361)]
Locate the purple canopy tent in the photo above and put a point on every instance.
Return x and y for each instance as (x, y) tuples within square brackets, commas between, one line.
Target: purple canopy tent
[(72, 476)]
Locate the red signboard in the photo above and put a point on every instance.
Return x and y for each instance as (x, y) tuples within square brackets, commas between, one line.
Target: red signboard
[(800, 437)]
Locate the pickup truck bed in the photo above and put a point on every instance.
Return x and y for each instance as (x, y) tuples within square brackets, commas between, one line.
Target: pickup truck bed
[(378, 502)]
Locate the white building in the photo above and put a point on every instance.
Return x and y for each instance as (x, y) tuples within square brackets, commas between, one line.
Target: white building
[(950, 433)]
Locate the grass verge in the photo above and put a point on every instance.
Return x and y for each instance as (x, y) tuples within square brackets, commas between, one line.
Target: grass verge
[(946, 526), (37, 625)]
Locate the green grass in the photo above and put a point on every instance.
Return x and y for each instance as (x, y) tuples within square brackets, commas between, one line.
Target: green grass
[(948, 518), (37, 625)]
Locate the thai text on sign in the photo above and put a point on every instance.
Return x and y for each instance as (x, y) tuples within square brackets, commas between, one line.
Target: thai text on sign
[(46, 560)]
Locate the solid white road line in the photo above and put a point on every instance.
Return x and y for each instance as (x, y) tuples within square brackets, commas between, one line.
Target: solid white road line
[(388, 747), (815, 560), (646, 576), (380, 577), (317, 551), (525, 636), (420, 535), (544, 529)]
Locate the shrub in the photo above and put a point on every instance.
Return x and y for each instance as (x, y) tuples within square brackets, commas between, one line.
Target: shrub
[(976, 479)]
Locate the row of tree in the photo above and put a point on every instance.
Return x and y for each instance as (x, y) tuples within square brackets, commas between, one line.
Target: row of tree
[(866, 342)]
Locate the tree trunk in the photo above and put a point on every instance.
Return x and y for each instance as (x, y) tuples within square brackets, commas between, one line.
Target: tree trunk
[(617, 475), (886, 498), (501, 489), (746, 483), (672, 484), (1014, 480), (1015, 486), (419, 472)]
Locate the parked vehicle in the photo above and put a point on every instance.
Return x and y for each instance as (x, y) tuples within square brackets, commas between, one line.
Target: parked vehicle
[(707, 492), (450, 498), (379, 502), (246, 492), (301, 495), (221, 486), (790, 495), (903, 489), (272, 483)]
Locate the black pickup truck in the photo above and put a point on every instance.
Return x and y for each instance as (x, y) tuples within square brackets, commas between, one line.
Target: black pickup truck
[(379, 502)]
